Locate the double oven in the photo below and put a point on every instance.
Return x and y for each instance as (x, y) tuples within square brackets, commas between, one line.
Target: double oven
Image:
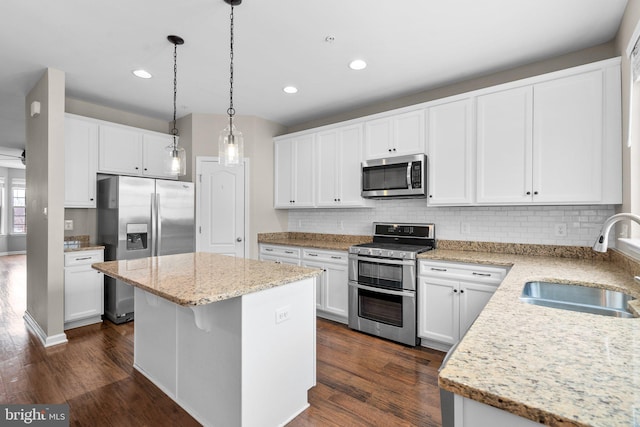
[(382, 280)]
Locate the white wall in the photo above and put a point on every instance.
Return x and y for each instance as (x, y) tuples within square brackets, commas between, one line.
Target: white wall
[(515, 224)]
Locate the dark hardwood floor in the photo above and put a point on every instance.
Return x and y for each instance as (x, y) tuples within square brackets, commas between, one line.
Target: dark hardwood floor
[(361, 380)]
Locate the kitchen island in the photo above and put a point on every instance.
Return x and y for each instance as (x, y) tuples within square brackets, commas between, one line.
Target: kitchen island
[(231, 340)]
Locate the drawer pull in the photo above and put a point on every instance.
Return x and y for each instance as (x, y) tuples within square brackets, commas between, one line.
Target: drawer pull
[(482, 274), (313, 254), (268, 250), (83, 258), (288, 252), (438, 269), (335, 257)]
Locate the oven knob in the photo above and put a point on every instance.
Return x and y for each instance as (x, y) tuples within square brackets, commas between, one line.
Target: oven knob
[(375, 252), (389, 254), (402, 255)]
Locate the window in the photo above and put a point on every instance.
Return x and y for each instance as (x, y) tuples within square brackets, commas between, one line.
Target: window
[(19, 207)]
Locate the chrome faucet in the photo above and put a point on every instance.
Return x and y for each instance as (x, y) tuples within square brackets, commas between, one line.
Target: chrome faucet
[(603, 239)]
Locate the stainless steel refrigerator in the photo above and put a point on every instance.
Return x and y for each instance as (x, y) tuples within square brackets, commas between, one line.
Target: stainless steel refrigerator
[(137, 218)]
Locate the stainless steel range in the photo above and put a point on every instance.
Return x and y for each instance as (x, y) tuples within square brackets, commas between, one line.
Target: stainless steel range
[(382, 280)]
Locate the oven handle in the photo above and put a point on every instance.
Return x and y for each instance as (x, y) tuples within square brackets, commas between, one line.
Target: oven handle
[(410, 294), (383, 260)]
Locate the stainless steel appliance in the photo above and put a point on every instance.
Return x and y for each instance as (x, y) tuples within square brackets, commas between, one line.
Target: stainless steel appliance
[(403, 176), (382, 280), (137, 218)]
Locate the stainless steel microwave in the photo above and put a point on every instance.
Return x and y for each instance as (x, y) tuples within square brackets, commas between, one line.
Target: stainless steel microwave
[(402, 176)]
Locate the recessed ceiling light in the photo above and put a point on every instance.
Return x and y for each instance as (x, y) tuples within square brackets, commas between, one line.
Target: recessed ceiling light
[(357, 64), (143, 74), (290, 89)]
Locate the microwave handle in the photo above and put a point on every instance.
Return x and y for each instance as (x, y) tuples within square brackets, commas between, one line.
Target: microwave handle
[(409, 175)]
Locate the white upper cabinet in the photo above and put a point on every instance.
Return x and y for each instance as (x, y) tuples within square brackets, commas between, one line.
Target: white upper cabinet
[(567, 139), (504, 146), (80, 162), (551, 142), (125, 150), (450, 153), (154, 154), (120, 150), (294, 172), (339, 156), (396, 135)]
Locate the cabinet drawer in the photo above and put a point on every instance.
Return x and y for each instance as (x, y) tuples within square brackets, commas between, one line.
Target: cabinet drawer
[(325, 256), (82, 258), (280, 251), (472, 272)]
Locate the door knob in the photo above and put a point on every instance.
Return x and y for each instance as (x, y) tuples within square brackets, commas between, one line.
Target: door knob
[(239, 239)]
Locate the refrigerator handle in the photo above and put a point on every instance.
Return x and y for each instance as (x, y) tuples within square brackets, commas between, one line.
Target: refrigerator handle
[(158, 226), (154, 225)]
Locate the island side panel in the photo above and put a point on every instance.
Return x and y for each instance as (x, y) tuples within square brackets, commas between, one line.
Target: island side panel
[(278, 352), (154, 351), (209, 362)]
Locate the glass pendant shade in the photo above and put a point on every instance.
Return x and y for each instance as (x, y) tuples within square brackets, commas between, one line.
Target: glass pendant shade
[(175, 160), (230, 145)]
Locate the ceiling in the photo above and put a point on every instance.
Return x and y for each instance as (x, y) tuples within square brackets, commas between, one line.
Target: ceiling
[(410, 46)]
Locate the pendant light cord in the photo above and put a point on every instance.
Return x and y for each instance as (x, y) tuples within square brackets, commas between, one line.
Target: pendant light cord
[(174, 131), (231, 111)]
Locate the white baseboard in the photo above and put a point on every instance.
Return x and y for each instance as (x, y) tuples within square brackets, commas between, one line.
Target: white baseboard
[(13, 253), (46, 341)]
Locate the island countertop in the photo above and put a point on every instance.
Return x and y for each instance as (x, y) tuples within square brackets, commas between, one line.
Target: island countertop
[(552, 366), (200, 278)]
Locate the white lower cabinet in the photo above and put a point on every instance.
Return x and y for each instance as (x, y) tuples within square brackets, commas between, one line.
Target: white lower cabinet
[(332, 292), (471, 413), (280, 254), (450, 297), (332, 288), (83, 289)]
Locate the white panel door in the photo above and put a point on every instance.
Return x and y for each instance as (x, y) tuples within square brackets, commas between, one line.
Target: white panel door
[(283, 169), (473, 298), (351, 166), (81, 162), (567, 139), (504, 146), (328, 168), (337, 289), (409, 133), (378, 136), (221, 209), (304, 181)]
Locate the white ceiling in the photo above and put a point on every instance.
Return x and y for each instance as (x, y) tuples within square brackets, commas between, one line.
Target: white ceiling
[(410, 46)]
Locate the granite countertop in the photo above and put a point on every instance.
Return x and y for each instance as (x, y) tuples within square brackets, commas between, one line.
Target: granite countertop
[(331, 242), (80, 243), (552, 366), (201, 278)]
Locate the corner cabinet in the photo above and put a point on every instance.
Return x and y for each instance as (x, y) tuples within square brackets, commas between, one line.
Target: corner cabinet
[(83, 289), (81, 162), (396, 135), (450, 297), (294, 172)]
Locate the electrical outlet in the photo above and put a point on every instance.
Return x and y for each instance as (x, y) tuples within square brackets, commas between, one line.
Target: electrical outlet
[(560, 230), (283, 314), (68, 224)]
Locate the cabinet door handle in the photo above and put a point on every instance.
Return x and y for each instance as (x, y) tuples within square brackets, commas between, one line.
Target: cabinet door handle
[(462, 291), (535, 193), (455, 291), (438, 269), (528, 193), (482, 274)]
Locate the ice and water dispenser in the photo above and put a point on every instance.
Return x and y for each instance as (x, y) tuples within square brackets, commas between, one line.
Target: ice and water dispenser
[(137, 235)]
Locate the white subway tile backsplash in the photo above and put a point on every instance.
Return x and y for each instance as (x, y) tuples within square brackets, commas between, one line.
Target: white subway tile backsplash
[(506, 224)]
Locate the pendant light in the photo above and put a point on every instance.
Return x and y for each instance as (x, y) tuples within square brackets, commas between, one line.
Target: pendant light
[(231, 142), (175, 159)]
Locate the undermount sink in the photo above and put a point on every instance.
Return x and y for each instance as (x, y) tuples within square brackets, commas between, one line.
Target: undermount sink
[(577, 298)]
